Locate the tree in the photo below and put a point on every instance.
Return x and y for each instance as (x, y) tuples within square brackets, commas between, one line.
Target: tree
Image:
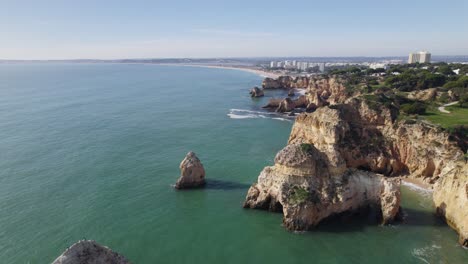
[(446, 70)]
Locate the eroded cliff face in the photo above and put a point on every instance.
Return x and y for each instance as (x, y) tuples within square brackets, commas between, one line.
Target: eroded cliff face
[(451, 199), (373, 140), (307, 188)]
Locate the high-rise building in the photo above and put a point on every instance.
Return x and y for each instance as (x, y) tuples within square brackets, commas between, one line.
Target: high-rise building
[(272, 64), (420, 57), (322, 67)]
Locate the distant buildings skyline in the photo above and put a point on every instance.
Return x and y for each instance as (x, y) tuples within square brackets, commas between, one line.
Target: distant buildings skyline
[(299, 65)]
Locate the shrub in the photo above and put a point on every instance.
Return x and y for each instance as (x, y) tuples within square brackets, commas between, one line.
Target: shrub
[(416, 108), (299, 195), (463, 102), (307, 148)]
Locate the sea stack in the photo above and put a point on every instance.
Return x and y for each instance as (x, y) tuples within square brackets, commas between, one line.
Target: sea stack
[(192, 173), (256, 92), (89, 252), (307, 188)]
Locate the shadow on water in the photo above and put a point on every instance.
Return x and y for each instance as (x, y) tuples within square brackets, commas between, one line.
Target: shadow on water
[(225, 185), (358, 221)]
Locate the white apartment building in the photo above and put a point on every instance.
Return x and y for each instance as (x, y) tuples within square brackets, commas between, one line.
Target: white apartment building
[(421, 57)]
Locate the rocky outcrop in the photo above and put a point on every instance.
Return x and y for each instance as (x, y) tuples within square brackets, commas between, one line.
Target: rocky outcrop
[(89, 252), (273, 103), (321, 91), (285, 82), (423, 95), (192, 172), (356, 135), (451, 199), (307, 188), (287, 104), (373, 140), (256, 92)]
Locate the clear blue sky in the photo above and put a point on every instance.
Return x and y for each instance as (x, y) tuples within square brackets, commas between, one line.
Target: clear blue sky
[(62, 29)]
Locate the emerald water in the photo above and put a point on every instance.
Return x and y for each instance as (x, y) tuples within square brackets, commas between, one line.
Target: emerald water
[(91, 151)]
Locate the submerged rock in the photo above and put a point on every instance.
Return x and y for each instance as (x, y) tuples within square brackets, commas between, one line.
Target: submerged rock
[(192, 173), (256, 92), (307, 189), (291, 92), (89, 252)]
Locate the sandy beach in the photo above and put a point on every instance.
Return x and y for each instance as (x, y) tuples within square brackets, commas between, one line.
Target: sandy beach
[(246, 69)]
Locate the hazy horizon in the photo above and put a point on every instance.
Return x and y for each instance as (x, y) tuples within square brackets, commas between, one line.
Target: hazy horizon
[(65, 30)]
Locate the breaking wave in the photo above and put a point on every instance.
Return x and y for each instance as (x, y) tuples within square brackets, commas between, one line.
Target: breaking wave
[(246, 114)]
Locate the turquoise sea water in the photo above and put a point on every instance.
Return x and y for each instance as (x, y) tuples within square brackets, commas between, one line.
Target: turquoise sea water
[(90, 151)]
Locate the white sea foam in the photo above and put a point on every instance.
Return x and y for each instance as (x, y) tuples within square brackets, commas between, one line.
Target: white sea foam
[(282, 119), (300, 91), (246, 114), (250, 111), (234, 116), (416, 187), (425, 252)]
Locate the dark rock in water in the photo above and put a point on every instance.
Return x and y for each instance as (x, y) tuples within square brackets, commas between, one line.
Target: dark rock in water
[(256, 92), (89, 252), (192, 173), (291, 92), (291, 114)]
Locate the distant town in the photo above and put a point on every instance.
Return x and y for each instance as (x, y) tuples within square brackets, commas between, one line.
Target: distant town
[(310, 67), (276, 66)]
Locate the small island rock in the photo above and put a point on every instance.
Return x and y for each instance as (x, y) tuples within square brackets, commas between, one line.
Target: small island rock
[(192, 173), (256, 92), (90, 252)]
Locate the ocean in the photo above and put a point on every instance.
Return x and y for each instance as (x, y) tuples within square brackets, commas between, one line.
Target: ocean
[(91, 151)]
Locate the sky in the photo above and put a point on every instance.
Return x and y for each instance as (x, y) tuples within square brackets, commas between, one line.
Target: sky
[(102, 29)]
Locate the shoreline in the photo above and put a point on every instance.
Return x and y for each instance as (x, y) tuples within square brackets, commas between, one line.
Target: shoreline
[(259, 72)]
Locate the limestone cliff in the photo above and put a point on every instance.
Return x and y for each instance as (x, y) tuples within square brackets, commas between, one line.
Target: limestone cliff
[(359, 133), (89, 252), (358, 136), (307, 188), (373, 140), (285, 82), (451, 199)]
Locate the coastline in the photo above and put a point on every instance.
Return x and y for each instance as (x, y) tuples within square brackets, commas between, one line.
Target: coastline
[(259, 72)]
